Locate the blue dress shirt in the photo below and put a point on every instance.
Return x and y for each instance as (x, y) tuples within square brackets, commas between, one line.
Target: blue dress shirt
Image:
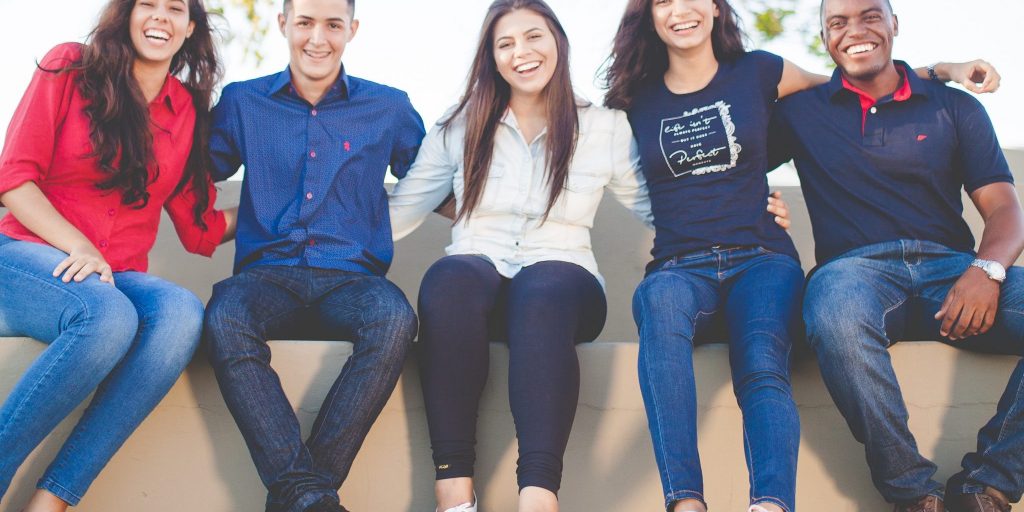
[(313, 193)]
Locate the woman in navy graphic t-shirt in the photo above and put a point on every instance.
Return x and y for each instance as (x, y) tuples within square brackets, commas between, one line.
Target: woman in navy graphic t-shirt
[(699, 105)]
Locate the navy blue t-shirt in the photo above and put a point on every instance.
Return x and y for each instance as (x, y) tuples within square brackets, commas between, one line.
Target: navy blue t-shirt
[(705, 158), (888, 171)]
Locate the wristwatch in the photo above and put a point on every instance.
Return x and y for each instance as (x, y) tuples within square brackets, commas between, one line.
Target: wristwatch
[(932, 75), (994, 269)]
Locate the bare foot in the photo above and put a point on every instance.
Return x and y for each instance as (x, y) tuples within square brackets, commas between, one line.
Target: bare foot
[(537, 499), (689, 506), (452, 492), (44, 501), (770, 507)]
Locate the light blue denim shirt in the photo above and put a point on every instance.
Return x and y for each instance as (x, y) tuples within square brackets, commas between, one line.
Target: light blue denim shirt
[(507, 226)]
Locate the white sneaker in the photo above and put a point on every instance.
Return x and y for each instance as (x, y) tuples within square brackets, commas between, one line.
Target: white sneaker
[(465, 507)]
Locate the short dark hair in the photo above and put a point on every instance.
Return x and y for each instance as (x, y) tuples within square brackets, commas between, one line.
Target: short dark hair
[(351, 6), (821, 8)]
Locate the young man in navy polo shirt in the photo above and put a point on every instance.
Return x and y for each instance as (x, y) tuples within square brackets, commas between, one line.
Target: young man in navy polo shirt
[(313, 245), (882, 156)]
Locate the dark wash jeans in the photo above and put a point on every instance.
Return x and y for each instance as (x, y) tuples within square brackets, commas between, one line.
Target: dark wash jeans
[(757, 293), (862, 302), (274, 302)]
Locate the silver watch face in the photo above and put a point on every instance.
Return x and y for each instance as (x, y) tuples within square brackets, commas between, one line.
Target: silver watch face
[(994, 269)]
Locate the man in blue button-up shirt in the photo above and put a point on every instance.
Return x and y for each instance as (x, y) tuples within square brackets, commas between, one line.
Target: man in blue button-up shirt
[(313, 245)]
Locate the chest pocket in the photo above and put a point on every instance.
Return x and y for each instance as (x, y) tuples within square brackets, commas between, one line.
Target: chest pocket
[(494, 198), (579, 200)]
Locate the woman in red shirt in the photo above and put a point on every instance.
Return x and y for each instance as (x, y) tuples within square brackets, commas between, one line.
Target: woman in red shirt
[(104, 139)]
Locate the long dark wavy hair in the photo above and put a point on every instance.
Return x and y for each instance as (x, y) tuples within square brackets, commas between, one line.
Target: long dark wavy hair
[(638, 54), (117, 109), (487, 98)]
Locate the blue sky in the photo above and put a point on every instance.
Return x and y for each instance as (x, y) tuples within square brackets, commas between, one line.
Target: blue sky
[(424, 47)]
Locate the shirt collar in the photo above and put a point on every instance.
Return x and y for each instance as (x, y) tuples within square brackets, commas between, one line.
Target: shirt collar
[(173, 94), (910, 85), (341, 87)]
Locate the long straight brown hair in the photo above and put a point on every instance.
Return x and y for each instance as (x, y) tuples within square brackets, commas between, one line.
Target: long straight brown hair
[(638, 54), (120, 135), (487, 98)]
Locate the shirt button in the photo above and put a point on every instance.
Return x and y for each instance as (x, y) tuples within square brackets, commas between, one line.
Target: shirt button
[(103, 243), (309, 196), (874, 110), (111, 212), (312, 154), (313, 112)]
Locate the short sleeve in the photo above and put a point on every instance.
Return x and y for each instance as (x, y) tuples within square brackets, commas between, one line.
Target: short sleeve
[(978, 154), (31, 135), (768, 68)]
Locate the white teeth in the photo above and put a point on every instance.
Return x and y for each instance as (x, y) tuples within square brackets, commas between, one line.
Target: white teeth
[(157, 34), (529, 66), (861, 48), (685, 26)]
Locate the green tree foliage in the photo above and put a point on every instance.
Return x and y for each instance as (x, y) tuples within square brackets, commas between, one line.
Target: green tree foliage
[(257, 26)]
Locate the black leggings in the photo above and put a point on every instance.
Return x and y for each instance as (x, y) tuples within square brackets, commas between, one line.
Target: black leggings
[(542, 313)]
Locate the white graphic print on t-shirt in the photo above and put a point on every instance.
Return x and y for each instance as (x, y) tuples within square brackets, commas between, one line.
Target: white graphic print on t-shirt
[(700, 141)]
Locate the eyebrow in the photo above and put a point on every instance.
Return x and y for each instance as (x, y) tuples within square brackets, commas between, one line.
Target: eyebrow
[(310, 18), (862, 13), (528, 31)]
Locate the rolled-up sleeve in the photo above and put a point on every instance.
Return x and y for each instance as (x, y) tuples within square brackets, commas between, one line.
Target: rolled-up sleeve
[(194, 238), (31, 135)]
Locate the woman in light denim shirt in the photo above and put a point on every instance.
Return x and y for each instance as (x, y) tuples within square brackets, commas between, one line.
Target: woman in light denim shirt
[(528, 163)]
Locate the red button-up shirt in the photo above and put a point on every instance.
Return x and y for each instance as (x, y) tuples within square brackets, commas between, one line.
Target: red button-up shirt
[(48, 144)]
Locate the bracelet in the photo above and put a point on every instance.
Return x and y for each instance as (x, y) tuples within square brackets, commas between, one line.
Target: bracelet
[(931, 72)]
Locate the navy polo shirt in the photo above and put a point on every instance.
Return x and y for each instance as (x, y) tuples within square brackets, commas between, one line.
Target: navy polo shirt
[(705, 158), (313, 193), (891, 169)]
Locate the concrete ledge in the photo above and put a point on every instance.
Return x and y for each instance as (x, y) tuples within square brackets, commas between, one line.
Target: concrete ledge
[(189, 456)]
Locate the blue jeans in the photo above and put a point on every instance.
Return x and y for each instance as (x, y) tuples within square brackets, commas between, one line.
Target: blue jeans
[(128, 343), (757, 294), (859, 304), (274, 302)]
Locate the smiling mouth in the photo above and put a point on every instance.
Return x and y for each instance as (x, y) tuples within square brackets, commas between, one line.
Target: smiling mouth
[(526, 68), (685, 26), (858, 49), (157, 35), (316, 55)]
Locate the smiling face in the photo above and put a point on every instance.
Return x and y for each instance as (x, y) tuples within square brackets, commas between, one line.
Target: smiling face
[(317, 32), (684, 24), (525, 52), (158, 29), (859, 36)]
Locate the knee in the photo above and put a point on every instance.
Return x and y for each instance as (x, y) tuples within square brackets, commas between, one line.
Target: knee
[(390, 314), (179, 324), (454, 272), (454, 281), (110, 322), (661, 305), (225, 332), (767, 382), (835, 313)]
